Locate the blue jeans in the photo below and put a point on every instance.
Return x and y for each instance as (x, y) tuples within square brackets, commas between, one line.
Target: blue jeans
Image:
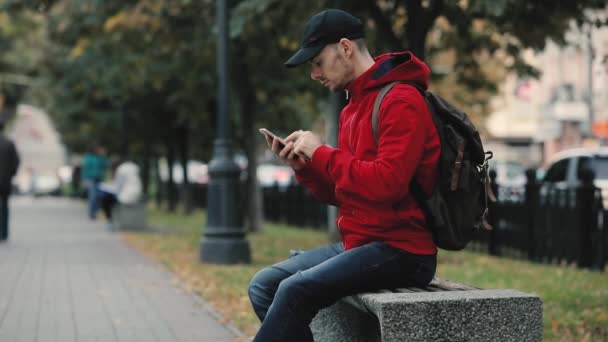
[(92, 186), (287, 295)]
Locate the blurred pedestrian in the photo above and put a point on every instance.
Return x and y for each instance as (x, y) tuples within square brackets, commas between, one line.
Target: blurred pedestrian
[(124, 188), (94, 165), (386, 242), (9, 163)]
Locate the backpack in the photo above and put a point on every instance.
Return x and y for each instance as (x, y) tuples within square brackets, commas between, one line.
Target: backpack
[(457, 208)]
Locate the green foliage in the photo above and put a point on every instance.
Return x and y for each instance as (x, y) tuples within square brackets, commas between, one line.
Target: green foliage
[(18, 61), (133, 73), (473, 33), (137, 68), (266, 38)]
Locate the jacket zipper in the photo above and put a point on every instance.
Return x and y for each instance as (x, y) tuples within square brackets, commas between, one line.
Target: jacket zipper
[(350, 134), (338, 225)]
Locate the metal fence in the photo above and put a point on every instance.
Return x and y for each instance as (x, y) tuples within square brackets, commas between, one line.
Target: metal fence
[(556, 226), (565, 227), (294, 205)]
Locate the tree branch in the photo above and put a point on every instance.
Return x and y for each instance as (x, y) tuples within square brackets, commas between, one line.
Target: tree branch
[(417, 28), (384, 26), (435, 10)]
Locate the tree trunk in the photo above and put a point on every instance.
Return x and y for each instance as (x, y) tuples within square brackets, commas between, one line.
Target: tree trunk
[(419, 22), (415, 30), (145, 171), (159, 183), (124, 127), (253, 193), (171, 191), (184, 151), (384, 27)]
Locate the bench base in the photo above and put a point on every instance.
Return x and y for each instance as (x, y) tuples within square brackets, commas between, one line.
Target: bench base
[(129, 216), (471, 315)]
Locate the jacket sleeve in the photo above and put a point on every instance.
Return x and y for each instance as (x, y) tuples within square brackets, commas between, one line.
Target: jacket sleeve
[(321, 187), (401, 140)]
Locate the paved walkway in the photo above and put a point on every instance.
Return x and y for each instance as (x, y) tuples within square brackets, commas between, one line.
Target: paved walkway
[(64, 278)]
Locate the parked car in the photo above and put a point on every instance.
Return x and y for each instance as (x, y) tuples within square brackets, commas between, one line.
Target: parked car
[(511, 179), (46, 184), (271, 174), (564, 172), (197, 172)]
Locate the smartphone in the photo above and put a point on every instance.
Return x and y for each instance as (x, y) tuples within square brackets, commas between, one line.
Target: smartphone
[(273, 136)]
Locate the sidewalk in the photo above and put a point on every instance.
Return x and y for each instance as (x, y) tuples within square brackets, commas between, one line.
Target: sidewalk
[(64, 278)]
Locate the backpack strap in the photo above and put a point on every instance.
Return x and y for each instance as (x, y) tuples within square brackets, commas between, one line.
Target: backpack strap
[(377, 104), (379, 98), (415, 188)]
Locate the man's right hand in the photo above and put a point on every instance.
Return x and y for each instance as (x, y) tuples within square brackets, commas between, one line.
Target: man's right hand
[(286, 154)]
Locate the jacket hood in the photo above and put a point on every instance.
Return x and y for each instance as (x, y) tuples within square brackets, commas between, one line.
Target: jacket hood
[(391, 67)]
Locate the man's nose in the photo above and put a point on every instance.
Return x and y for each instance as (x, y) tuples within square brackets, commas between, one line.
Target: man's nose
[(315, 74)]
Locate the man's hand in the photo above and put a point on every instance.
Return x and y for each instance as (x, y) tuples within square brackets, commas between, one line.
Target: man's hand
[(286, 154), (305, 143)]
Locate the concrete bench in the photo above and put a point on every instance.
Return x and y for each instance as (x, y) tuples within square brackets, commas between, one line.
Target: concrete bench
[(130, 216), (443, 311)]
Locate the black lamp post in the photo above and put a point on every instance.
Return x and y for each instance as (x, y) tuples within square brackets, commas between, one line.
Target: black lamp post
[(224, 239)]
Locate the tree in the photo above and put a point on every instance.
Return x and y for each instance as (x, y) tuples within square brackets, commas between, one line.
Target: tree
[(137, 68), (479, 40), (144, 70), (261, 44), (18, 62)]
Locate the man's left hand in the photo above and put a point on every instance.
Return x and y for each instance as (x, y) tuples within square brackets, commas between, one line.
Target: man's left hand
[(305, 143)]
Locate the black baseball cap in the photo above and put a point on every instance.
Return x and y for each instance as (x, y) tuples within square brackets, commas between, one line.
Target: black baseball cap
[(322, 29)]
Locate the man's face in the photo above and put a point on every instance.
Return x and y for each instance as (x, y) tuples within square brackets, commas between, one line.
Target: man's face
[(331, 68)]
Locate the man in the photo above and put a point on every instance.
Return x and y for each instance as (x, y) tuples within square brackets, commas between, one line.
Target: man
[(9, 163), (94, 165), (385, 240)]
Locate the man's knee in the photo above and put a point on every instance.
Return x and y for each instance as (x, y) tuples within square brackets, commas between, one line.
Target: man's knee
[(256, 285), (300, 296), (262, 289), (264, 284), (295, 287)]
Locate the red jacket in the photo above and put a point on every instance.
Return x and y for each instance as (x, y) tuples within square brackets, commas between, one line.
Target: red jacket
[(369, 182)]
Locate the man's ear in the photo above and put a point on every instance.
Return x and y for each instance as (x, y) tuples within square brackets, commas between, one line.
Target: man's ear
[(346, 46)]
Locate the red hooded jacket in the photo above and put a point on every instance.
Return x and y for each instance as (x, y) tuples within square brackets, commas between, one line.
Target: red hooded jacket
[(369, 182)]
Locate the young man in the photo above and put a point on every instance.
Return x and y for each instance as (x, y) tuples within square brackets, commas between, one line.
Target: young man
[(385, 240)]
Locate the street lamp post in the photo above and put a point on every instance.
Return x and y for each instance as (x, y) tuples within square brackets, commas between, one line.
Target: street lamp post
[(224, 239), (589, 59)]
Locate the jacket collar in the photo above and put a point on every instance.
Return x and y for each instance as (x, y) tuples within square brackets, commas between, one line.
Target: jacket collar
[(390, 67)]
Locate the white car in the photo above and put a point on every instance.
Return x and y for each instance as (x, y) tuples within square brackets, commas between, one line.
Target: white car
[(271, 174), (511, 179), (564, 171), (46, 185)]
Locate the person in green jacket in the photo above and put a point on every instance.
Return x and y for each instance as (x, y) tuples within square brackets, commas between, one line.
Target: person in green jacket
[(94, 165)]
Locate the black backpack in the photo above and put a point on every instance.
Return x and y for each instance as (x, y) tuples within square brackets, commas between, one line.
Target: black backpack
[(458, 207)]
